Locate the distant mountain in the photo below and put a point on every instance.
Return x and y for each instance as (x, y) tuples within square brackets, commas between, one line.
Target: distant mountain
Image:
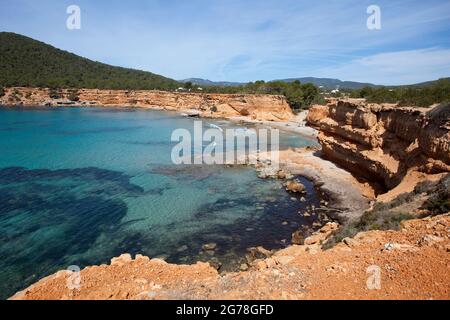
[(209, 83), (329, 83), (326, 83), (27, 62), (428, 83)]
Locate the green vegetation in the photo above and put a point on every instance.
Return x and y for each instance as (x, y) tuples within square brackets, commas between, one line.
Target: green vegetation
[(188, 85), (439, 200), (370, 220), (30, 63), (438, 204), (15, 96), (418, 95), (73, 95), (388, 216), (25, 62), (298, 95), (55, 93), (382, 220)]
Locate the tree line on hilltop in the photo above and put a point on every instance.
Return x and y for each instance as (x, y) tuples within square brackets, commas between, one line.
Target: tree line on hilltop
[(298, 95), (25, 62), (30, 63), (423, 95)]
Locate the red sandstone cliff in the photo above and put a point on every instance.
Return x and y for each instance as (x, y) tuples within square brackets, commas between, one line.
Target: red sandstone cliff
[(382, 142), (258, 107)]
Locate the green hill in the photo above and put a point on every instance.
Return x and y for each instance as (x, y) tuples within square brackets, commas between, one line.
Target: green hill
[(421, 95), (31, 63)]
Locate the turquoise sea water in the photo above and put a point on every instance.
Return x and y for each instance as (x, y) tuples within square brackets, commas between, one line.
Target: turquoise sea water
[(80, 186)]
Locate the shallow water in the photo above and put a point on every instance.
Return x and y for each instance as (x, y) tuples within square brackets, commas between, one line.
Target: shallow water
[(80, 186)]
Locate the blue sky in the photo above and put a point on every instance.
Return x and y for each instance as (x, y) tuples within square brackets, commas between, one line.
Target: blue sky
[(249, 40)]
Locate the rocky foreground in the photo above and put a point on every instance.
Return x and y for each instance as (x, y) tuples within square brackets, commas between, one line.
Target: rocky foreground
[(253, 106), (413, 263)]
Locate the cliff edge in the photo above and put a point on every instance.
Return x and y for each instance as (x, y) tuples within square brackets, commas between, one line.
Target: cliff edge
[(383, 143), (253, 106), (408, 264)]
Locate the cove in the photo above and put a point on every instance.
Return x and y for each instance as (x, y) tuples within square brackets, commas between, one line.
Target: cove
[(80, 186)]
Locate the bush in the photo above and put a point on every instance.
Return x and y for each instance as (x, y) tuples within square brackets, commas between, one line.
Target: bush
[(382, 220), (439, 200), (54, 93), (73, 95), (15, 96), (384, 216), (419, 95), (244, 112), (370, 220), (438, 204), (2, 92)]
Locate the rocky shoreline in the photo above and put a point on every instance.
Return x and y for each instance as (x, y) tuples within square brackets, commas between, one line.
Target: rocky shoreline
[(412, 264), (346, 198)]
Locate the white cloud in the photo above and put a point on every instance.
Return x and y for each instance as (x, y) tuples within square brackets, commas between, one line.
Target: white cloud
[(394, 68), (238, 40)]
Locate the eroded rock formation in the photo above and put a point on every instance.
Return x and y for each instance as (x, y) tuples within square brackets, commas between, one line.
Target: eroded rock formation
[(383, 142), (254, 106), (413, 263)]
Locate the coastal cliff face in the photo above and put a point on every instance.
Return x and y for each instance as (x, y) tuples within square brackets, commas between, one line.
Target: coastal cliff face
[(257, 107), (382, 143)]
